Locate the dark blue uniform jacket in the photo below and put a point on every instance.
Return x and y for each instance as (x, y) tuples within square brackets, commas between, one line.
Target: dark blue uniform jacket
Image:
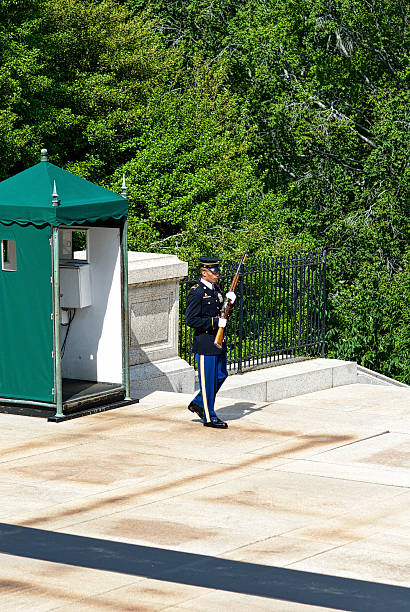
[(202, 313)]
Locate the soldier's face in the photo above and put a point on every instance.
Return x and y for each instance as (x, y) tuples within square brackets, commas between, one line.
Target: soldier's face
[(210, 276)]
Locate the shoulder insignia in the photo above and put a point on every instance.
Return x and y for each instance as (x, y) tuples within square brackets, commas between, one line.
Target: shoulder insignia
[(194, 286)]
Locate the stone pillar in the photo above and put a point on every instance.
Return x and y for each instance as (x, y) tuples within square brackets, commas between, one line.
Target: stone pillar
[(153, 285)]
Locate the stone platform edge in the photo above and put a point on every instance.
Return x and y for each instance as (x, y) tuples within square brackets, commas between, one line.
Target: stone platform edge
[(370, 377), (290, 380)]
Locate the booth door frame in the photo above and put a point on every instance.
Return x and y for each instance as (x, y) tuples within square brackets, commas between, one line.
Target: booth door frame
[(125, 309), (58, 380)]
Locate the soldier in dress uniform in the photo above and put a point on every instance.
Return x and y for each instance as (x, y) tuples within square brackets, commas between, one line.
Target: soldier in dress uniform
[(203, 310)]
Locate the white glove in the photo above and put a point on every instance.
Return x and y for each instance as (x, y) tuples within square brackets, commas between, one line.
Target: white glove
[(231, 296), (221, 322)]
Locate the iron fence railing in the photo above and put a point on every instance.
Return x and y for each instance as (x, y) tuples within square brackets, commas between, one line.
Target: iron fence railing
[(279, 314)]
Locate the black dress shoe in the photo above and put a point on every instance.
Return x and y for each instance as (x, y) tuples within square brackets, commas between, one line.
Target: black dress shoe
[(218, 424), (197, 409)]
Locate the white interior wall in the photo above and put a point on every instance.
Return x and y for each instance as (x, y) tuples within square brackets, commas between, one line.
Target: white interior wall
[(94, 345)]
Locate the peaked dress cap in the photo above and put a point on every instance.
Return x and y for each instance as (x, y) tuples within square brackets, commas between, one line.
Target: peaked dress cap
[(210, 262)]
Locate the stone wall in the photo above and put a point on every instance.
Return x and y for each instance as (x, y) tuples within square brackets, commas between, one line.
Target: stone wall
[(153, 286)]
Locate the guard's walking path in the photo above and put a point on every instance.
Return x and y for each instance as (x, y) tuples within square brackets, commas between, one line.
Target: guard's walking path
[(302, 504)]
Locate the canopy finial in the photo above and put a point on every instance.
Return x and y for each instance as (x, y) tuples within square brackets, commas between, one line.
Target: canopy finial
[(55, 200), (44, 155), (123, 187)]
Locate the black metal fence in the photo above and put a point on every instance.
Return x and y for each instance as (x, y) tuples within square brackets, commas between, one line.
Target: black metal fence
[(279, 314)]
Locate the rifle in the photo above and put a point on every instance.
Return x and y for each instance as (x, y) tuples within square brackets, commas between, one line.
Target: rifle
[(226, 308)]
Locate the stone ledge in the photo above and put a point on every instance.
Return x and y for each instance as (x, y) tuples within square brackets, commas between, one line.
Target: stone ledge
[(290, 380), (154, 267)]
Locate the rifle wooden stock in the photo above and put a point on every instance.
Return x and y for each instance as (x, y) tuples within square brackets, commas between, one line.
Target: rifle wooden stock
[(226, 308), (219, 337)]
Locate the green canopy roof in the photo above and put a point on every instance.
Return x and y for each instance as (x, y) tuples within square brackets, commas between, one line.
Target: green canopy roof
[(26, 198)]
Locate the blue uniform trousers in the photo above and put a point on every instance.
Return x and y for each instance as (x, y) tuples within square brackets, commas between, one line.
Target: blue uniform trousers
[(212, 372)]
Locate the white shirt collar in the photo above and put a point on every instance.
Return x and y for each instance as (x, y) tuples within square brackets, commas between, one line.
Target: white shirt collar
[(207, 283)]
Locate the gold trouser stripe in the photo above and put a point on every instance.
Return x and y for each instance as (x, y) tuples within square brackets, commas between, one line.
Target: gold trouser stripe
[(203, 387)]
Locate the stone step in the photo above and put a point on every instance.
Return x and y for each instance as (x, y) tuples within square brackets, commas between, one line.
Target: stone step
[(173, 374), (290, 380)]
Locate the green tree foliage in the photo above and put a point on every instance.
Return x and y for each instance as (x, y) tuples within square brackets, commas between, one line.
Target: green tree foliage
[(106, 95), (324, 85), (261, 123)]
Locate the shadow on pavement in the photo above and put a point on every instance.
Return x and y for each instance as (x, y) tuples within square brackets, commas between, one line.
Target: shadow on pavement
[(239, 410), (203, 571)]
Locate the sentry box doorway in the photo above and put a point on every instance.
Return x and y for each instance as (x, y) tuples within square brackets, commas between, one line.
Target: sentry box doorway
[(63, 294)]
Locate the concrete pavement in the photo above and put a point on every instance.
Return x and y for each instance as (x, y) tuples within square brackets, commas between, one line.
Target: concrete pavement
[(302, 504)]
